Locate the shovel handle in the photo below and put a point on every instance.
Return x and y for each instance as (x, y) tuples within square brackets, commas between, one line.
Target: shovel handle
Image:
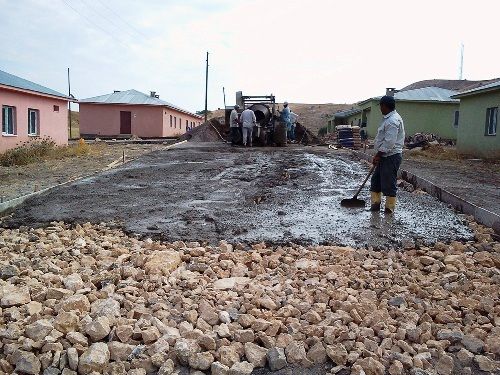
[(364, 182)]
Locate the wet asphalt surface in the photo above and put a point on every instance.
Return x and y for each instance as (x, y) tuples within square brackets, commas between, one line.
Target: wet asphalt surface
[(209, 192)]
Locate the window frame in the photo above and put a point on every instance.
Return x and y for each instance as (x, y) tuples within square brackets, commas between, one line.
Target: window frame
[(491, 120), (56, 108), (456, 118), (14, 122), (37, 122)]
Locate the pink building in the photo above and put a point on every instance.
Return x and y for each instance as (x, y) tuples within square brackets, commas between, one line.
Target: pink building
[(126, 113), (30, 111)]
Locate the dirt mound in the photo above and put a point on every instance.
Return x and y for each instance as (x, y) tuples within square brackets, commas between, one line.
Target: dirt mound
[(210, 131), (304, 135)]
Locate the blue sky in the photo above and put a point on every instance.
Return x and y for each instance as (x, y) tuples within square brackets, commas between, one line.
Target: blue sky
[(316, 51)]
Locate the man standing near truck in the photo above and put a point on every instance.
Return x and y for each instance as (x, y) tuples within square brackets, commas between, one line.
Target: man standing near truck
[(285, 117), (389, 144), (234, 124), (293, 120), (248, 120)]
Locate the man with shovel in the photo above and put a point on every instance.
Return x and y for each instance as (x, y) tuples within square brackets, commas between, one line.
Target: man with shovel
[(389, 144)]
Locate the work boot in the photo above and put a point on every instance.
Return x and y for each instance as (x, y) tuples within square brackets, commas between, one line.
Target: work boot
[(376, 199), (390, 205)]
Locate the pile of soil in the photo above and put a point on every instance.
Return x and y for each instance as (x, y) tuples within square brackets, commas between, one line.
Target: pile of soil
[(304, 135), (206, 132)]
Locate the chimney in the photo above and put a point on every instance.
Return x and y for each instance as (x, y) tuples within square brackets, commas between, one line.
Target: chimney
[(390, 91), (152, 94)]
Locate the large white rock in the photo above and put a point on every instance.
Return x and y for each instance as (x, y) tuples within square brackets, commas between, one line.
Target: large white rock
[(230, 282), (95, 358)]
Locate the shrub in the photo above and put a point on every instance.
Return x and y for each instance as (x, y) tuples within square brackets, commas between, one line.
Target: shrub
[(40, 149)]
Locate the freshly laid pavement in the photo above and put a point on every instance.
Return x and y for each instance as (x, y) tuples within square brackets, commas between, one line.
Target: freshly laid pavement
[(209, 192)]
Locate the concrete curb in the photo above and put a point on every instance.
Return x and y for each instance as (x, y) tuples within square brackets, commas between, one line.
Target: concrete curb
[(481, 215), (6, 207)]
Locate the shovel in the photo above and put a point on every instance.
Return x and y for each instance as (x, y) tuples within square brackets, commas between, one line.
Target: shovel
[(354, 201)]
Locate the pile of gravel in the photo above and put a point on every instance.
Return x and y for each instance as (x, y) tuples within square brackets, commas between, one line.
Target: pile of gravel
[(88, 299)]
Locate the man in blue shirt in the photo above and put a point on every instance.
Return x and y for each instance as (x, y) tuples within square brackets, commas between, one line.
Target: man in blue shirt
[(285, 117)]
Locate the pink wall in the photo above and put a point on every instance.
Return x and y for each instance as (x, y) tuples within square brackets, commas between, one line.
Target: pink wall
[(104, 119), (51, 123), (178, 125), (147, 121)]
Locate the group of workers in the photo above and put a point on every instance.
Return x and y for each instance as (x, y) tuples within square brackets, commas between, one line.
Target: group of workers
[(247, 120)]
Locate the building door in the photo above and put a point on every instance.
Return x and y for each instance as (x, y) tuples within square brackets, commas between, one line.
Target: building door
[(125, 122)]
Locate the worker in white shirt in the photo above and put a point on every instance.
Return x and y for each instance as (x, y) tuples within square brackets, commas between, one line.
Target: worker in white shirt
[(234, 124), (248, 120), (389, 144), (293, 121)]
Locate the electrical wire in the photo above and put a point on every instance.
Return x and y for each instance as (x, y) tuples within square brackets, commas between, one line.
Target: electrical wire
[(110, 20), (95, 24), (132, 27)]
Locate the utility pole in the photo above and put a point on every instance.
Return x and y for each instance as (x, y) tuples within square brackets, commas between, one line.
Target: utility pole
[(206, 91), (69, 107), (461, 70), (224, 93)]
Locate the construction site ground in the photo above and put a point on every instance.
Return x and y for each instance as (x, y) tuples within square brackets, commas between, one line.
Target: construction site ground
[(475, 180), (211, 192), (16, 181), (189, 283)]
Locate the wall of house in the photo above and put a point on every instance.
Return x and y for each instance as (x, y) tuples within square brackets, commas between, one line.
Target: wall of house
[(147, 121), (51, 123), (434, 118), (174, 122), (104, 120), (373, 117), (354, 120), (472, 125)]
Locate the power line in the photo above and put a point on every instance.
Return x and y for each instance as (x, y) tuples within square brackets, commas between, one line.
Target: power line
[(132, 27), (95, 24), (108, 19)]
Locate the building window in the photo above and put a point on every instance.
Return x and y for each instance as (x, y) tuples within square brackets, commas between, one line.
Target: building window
[(187, 124), (56, 108), (175, 122), (170, 120), (491, 121), (33, 121), (8, 120), (456, 116)]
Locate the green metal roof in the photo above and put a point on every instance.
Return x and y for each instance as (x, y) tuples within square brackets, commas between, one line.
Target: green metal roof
[(425, 94), (479, 90), (347, 113), (11, 80)]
